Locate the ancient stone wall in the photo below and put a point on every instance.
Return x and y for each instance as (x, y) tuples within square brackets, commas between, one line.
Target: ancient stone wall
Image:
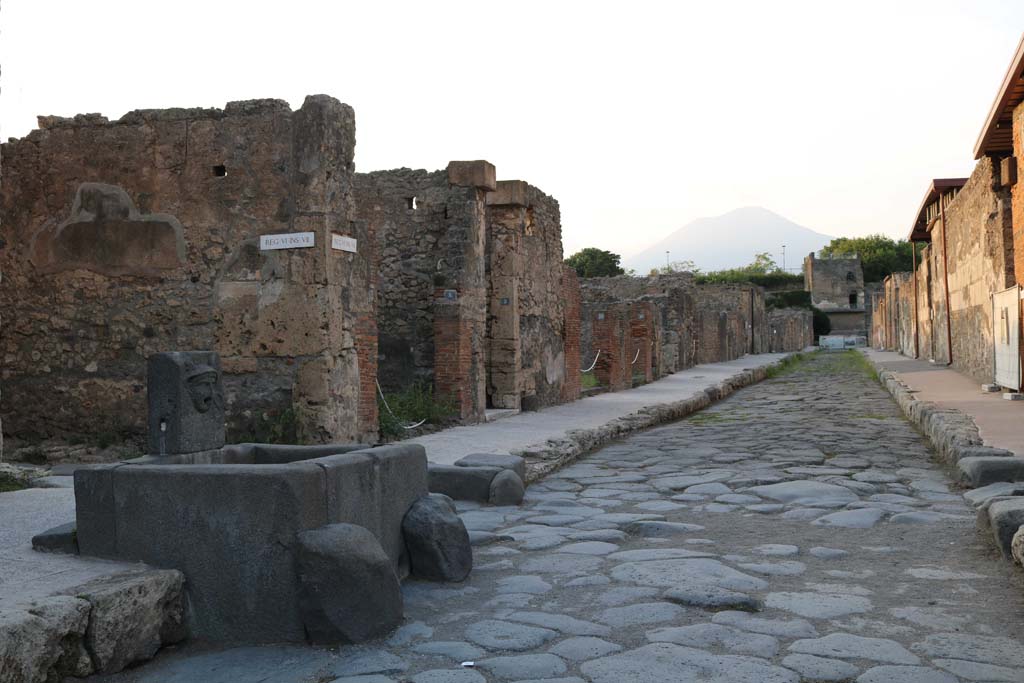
[(130, 237), (790, 329), (526, 305), (980, 242), (834, 283), (974, 239), (429, 229)]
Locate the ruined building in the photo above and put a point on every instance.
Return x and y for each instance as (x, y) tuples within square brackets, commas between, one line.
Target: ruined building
[(836, 285), (474, 298), (156, 232), (247, 231), (635, 330), (961, 304)]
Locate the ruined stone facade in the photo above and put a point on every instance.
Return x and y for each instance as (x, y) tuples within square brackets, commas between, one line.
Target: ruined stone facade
[(473, 297), (836, 285), (971, 233), (790, 329), (126, 238), (649, 327)]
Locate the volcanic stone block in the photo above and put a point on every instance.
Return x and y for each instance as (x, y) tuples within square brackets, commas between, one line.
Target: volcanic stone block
[(186, 402), (94, 511), (507, 489), (59, 539), (350, 592), (230, 530), (982, 471), (462, 483), (1005, 518), (502, 460), (438, 543), (402, 480)]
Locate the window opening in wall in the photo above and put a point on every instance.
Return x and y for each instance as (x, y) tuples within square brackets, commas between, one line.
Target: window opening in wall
[(853, 298), (850, 277), (410, 203), (220, 170)]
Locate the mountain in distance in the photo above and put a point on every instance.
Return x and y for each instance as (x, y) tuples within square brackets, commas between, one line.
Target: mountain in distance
[(731, 241)]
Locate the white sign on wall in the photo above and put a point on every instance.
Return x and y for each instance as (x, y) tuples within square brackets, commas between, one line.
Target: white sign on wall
[(288, 240), (343, 242)]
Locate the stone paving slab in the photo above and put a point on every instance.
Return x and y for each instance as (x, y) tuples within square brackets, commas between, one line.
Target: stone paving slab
[(728, 590), (531, 431), (28, 574)]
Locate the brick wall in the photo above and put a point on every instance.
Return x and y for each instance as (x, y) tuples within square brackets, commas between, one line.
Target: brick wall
[(571, 333), (130, 237)]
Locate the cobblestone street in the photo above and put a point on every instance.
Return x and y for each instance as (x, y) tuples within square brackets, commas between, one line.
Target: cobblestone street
[(797, 531)]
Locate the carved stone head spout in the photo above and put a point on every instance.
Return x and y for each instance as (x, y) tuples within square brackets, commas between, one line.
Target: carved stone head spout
[(201, 382), (186, 402)]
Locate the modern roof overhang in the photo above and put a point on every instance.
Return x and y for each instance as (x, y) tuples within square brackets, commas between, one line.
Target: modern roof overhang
[(996, 137), (921, 231)]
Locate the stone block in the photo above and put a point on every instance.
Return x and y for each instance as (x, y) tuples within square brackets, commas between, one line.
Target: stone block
[(1017, 546), (186, 402), (480, 174), (94, 511), (509, 192), (507, 488), (502, 460), (438, 543), (59, 539), (985, 470), (402, 480), (1005, 519), (44, 640), (960, 452), (132, 615), (462, 483), (350, 592), (230, 529)]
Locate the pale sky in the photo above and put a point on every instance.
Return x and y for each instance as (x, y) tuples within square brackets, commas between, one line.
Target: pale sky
[(637, 116)]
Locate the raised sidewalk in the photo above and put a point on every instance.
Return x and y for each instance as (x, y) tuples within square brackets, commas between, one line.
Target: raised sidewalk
[(561, 432), (998, 420)]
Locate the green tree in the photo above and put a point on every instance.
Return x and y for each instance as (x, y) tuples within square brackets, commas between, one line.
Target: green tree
[(879, 255), (594, 262)]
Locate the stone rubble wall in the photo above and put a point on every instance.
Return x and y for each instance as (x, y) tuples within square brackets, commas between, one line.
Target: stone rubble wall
[(473, 299), (126, 238), (682, 324), (831, 282), (790, 329), (979, 239)]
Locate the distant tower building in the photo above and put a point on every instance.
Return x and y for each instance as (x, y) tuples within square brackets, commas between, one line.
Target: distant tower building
[(836, 285)]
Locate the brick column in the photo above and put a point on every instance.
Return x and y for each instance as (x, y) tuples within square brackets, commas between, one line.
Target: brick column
[(641, 331), (453, 356), (571, 334)]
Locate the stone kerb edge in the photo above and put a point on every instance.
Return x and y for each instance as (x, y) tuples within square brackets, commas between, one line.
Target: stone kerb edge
[(543, 459)]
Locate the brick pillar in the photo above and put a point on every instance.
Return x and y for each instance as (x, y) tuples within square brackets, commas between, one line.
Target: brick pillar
[(366, 352), (571, 334), (453, 356), (640, 338), (609, 339)]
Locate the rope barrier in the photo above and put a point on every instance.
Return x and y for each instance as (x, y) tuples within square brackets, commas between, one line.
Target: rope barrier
[(379, 391), (592, 365), (635, 357)]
